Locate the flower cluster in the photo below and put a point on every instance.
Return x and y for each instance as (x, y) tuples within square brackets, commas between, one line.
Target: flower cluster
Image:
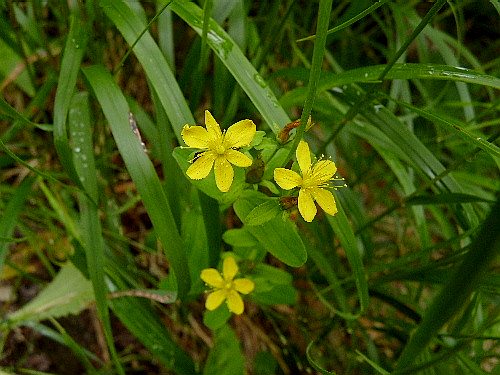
[(219, 150)]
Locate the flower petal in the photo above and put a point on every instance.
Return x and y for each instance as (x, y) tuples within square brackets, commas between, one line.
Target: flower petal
[(323, 171), (244, 286), (307, 208), (215, 299), (303, 157), (195, 136), (286, 178), (213, 127), (223, 174), (229, 268), (239, 134), (234, 302), (325, 200), (238, 158), (202, 166), (212, 277)]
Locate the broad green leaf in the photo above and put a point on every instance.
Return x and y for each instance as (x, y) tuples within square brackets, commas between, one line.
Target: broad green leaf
[(225, 358), (278, 236), (272, 286), (68, 293), (263, 213), (239, 237), (217, 318)]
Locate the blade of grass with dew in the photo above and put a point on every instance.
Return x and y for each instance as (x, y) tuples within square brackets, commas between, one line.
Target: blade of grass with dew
[(79, 124), (199, 73), (449, 56), (153, 62), (141, 170), (370, 74), (11, 214), (418, 29), (455, 128), (74, 50), (242, 70), (463, 282)]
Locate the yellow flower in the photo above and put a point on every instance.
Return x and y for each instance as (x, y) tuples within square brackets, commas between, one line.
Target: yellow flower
[(312, 183), (218, 148), (225, 288)]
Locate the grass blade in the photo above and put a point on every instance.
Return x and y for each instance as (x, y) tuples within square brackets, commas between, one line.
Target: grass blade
[(454, 294), (153, 61), (74, 50), (242, 70), (90, 225), (141, 170)]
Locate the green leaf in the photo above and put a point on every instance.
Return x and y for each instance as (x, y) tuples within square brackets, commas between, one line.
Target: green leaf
[(74, 50), (278, 236), (272, 286), (68, 293), (152, 60), (242, 70), (92, 240), (217, 318), (141, 170), (370, 74), (263, 213), (239, 237), (225, 358)]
